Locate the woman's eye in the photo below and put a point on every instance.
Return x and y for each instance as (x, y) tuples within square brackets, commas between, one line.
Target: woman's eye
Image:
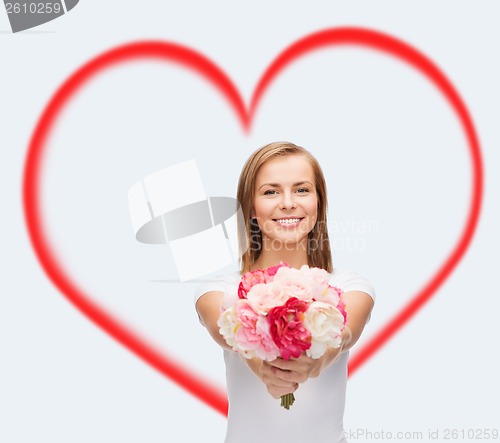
[(269, 192), (302, 190)]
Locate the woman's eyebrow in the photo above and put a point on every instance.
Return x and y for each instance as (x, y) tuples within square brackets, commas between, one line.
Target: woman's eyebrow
[(277, 185)]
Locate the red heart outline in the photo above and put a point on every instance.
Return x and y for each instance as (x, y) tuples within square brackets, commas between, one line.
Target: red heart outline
[(201, 65)]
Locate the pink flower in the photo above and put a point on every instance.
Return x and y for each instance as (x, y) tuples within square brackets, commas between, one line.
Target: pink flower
[(247, 319), (334, 297), (319, 279), (250, 279), (329, 294), (341, 308), (318, 275), (253, 335), (263, 297), (287, 328), (271, 271), (291, 283), (311, 283)]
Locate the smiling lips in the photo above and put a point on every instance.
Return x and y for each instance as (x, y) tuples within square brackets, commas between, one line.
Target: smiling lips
[(288, 222)]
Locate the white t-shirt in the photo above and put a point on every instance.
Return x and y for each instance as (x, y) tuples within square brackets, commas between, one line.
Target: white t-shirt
[(254, 415)]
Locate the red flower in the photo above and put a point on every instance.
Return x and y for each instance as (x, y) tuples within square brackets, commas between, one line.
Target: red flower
[(287, 328), (242, 291)]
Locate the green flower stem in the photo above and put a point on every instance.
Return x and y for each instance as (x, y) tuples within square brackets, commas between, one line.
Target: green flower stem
[(287, 400)]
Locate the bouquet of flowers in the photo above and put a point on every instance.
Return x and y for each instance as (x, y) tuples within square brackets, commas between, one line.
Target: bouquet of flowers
[(281, 312)]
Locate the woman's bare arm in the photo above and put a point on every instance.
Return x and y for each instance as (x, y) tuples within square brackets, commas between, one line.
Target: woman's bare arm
[(358, 306), (208, 307)]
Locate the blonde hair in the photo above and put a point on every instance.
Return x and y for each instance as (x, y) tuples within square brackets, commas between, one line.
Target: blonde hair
[(318, 257)]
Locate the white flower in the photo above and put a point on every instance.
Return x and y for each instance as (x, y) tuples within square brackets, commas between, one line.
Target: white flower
[(325, 323), (228, 325)]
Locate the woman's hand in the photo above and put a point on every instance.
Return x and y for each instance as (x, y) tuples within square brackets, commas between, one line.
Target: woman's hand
[(300, 369), (283, 377), (278, 382)]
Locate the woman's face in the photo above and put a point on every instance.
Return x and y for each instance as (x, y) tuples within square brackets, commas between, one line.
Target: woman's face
[(285, 202)]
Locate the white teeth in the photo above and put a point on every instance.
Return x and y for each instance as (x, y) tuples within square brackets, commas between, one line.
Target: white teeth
[(289, 221)]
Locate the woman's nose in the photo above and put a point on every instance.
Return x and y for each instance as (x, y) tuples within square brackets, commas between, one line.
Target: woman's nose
[(287, 201)]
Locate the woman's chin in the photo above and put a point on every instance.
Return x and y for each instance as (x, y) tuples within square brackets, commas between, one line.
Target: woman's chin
[(287, 240)]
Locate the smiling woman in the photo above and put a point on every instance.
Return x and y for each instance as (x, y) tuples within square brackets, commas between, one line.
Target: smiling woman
[(285, 210), (282, 192), (282, 182)]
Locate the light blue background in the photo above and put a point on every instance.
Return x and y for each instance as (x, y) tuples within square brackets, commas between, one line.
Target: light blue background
[(394, 157)]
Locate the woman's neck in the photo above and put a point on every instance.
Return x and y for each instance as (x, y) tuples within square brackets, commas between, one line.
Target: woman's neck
[(295, 257)]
